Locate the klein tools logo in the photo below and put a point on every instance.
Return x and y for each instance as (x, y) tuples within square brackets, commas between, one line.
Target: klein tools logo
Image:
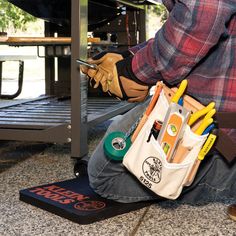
[(152, 168), (67, 197), (89, 205)]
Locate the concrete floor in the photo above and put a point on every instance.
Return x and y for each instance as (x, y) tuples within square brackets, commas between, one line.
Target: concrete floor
[(32, 164)]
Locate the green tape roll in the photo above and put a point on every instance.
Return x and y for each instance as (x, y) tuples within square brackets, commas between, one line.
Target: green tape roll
[(115, 146)]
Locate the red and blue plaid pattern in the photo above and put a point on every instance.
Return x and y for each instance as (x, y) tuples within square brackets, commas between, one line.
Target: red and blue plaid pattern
[(198, 43)]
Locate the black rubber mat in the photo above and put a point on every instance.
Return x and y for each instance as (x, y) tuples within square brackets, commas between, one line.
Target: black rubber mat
[(74, 200)]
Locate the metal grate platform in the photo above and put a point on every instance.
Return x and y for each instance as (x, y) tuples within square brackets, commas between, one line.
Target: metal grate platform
[(48, 119)]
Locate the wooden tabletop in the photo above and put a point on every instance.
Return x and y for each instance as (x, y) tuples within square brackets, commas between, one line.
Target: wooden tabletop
[(40, 41)]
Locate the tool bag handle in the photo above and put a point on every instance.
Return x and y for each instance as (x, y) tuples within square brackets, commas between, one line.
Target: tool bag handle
[(224, 144)]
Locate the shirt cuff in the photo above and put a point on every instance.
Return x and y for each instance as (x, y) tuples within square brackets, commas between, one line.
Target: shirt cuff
[(144, 65), (136, 48)]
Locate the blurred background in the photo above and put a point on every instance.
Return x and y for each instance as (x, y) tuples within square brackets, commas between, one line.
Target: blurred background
[(16, 22)]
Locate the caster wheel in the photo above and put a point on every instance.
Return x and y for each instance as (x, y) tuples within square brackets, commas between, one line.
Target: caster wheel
[(80, 168)]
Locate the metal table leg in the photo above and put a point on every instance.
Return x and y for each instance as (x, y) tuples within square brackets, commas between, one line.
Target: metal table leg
[(78, 81), (1, 77)]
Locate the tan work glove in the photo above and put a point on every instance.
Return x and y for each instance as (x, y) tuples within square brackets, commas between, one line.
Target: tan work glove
[(103, 74), (103, 59), (116, 77)]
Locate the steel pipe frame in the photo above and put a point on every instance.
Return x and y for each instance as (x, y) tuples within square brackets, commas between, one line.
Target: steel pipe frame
[(79, 22)]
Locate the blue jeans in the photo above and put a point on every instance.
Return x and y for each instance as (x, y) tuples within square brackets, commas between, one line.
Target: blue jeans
[(215, 180)]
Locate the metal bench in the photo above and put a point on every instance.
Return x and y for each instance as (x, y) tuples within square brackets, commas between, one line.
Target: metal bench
[(49, 118)]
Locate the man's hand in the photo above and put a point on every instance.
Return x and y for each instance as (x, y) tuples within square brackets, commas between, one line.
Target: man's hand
[(102, 57), (115, 75), (103, 75)]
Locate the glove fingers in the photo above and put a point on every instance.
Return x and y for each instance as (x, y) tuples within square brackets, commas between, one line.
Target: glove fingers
[(97, 78), (101, 78), (84, 69), (104, 83), (92, 73), (106, 74)]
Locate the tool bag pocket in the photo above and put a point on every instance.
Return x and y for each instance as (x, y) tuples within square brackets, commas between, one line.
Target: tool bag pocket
[(147, 161)]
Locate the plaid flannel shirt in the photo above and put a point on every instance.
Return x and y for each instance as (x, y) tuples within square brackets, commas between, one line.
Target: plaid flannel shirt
[(198, 43)]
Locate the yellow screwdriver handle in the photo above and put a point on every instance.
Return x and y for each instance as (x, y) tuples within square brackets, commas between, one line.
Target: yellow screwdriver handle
[(207, 146), (180, 91), (210, 114), (203, 126), (200, 113)]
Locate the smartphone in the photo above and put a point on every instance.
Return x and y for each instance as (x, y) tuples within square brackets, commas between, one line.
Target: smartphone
[(84, 63)]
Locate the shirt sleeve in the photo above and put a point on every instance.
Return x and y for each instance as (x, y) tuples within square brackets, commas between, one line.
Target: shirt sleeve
[(191, 30), (136, 48)]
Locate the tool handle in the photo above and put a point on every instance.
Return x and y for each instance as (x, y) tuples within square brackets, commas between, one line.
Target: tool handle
[(203, 126), (139, 127), (207, 146), (154, 99), (210, 114), (193, 172), (180, 91), (148, 111), (206, 110), (209, 129), (180, 154), (203, 152)]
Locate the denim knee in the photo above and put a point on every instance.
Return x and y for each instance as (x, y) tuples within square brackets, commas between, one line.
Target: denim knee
[(94, 171), (92, 174), (101, 170)]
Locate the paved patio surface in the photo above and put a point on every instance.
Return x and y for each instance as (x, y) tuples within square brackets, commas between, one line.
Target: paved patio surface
[(32, 164)]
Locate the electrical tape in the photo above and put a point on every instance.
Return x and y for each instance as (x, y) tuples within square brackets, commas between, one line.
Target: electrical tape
[(112, 148)]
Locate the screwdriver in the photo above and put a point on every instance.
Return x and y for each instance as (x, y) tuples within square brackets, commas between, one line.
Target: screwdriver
[(84, 63), (203, 152), (148, 111)]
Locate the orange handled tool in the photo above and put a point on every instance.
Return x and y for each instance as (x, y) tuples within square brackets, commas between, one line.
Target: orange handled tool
[(148, 110)]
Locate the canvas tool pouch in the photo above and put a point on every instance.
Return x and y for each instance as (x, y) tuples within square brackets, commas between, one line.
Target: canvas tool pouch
[(147, 160)]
